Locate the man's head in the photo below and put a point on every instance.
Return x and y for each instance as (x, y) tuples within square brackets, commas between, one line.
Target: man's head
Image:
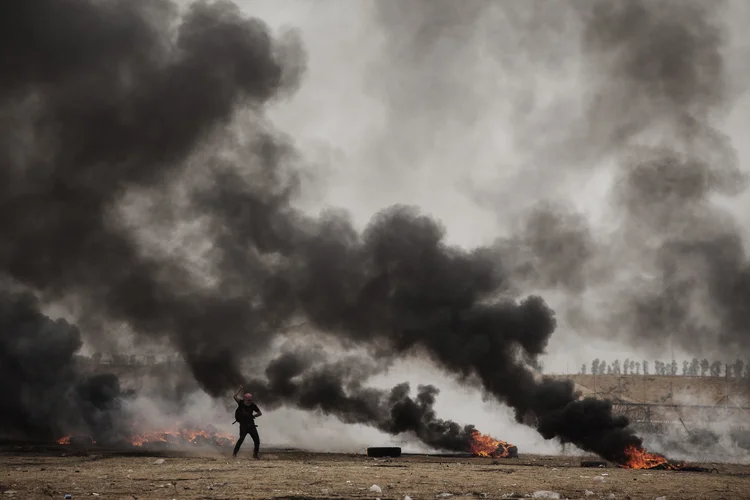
[(247, 398)]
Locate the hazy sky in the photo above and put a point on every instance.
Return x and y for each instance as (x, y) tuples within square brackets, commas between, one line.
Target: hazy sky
[(473, 129)]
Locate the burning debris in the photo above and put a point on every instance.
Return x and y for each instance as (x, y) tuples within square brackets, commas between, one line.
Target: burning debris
[(483, 445), (183, 437), (178, 437), (639, 458), (81, 441)]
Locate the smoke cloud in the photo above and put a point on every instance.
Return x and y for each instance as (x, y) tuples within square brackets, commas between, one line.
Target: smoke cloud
[(660, 88), (124, 100)]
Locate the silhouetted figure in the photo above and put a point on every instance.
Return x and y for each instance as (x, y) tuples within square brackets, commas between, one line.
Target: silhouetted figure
[(245, 415)]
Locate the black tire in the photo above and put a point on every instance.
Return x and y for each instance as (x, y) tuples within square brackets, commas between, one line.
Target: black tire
[(384, 451)]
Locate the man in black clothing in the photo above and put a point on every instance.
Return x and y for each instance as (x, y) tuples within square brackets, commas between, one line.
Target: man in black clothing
[(245, 415)]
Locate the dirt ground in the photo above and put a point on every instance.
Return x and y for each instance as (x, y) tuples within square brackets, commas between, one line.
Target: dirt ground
[(298, 475)]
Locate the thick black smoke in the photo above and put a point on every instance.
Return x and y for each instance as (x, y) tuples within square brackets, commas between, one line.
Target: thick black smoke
[(110, 98), (44, 396), (102, 98), (306, 381)]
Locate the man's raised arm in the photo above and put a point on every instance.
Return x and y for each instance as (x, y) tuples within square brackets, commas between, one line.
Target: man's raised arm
[(237, 396)]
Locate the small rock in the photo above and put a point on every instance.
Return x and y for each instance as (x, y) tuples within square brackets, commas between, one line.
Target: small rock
[(661, 498), (10, 493), (68, 496), (407, 497), (611, 496), (599, 479), (443, 495), (588, 493), (545, 494), (376, 489), (159, 461)]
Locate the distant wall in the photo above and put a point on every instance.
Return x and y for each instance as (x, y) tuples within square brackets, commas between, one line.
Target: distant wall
[(664, 389)]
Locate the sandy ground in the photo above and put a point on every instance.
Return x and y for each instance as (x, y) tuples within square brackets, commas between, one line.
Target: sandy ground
[(297, 475)]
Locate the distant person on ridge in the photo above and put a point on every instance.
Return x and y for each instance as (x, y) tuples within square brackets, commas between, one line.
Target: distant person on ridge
[(245, 415)]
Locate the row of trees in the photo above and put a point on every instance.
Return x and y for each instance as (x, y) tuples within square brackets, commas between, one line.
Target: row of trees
[(692, 368)]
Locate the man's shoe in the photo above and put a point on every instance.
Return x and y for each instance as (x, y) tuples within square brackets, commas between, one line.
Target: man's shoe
[(256, 456)]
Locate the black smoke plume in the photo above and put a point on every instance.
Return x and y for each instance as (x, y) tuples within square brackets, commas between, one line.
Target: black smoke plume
[(44, 395), (111, 99)]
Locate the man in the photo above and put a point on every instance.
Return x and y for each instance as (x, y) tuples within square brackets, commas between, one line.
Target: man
[(245, 415)]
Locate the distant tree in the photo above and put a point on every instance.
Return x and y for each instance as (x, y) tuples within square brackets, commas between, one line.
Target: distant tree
[(645, 367), (616, 367), (694, 367), (609, 369), (632, 366), (626, 366), (583, 369), (595, 367), (685, 368), (705, 365), (716, 369), (739, 368), (673, 366), (729, 370), (638, 368)]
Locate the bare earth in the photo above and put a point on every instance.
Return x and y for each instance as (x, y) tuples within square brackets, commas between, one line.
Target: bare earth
[(298, 475)]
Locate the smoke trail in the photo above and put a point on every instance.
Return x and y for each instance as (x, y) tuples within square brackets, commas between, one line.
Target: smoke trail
[(308, 381)]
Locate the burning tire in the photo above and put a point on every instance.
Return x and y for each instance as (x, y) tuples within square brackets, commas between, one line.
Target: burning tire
[(384, 451)]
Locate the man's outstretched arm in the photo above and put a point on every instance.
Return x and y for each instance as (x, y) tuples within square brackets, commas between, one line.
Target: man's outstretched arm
[(257, 411), (237, 396)]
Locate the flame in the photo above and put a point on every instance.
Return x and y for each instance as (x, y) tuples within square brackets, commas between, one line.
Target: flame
[(67, 439), (639, 458), (181, 435), (483, 445)]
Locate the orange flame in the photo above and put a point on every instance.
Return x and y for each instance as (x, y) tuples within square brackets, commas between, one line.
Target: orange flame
[(68, 439), (639, 458), (483, 445), (182, 436)]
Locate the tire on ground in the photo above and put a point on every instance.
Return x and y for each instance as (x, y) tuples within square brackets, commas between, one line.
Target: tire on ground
[(384, 451)]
